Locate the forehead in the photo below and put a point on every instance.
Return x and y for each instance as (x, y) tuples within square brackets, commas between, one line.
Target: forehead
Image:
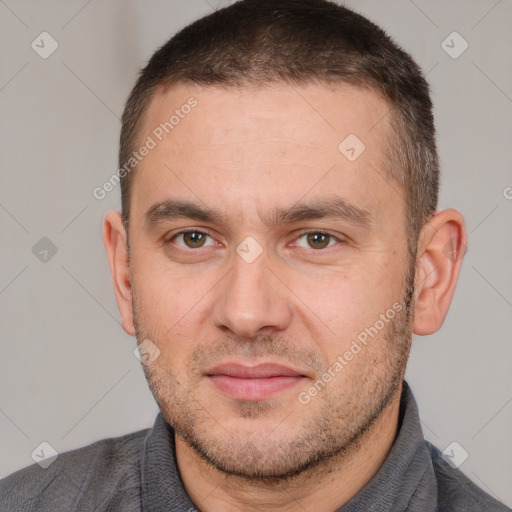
[(274, 143), (227, 113)]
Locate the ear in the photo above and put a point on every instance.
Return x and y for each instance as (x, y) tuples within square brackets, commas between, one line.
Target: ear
[(114, 239), (441, 248)]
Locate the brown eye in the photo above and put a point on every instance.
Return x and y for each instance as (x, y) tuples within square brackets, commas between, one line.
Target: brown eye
[(191, 239), (318, 240), (194, 239)]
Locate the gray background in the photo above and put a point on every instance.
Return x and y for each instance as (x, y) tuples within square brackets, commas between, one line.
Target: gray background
[(68, 375)]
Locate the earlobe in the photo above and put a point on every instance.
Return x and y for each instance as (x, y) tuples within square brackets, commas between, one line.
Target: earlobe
[(441, 248), (114, 239)]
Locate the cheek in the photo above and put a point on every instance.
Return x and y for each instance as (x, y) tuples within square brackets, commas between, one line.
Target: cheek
[(170, 310), (342, 304), (166, 292)]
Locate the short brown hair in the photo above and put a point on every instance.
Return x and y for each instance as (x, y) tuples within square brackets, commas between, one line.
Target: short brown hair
[(256, 42)]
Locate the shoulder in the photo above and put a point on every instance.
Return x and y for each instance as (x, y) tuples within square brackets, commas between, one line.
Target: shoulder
[(77, 477), (456, 491)]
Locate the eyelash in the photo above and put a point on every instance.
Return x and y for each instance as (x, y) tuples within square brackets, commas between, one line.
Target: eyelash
[(300, 235)]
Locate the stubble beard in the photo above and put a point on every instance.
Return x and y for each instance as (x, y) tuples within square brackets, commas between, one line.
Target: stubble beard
[(332, 432)]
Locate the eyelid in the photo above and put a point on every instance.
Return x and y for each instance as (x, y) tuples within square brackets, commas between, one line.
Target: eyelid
[(338, 237), (170, 237), (190, 229)]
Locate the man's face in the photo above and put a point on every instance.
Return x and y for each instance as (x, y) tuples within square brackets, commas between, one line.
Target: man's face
[(280, 341)]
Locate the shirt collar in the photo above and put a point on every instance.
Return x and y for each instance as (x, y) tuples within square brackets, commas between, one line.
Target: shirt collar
[(161, 485), (406, 480)]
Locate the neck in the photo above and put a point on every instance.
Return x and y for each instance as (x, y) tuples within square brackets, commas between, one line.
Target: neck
[(322, 488)]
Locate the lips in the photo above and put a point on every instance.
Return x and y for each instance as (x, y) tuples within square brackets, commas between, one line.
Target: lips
[(253, 383)]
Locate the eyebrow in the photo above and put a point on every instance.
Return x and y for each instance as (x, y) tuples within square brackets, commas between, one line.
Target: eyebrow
[(335, 208)]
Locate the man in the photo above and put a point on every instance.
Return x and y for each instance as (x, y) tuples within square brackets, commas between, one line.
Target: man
[(278, 245)]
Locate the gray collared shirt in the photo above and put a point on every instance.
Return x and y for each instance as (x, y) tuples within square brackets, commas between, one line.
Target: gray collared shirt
[(138, 472)]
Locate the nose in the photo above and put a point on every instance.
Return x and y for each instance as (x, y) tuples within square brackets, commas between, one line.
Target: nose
[(252, 300)]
